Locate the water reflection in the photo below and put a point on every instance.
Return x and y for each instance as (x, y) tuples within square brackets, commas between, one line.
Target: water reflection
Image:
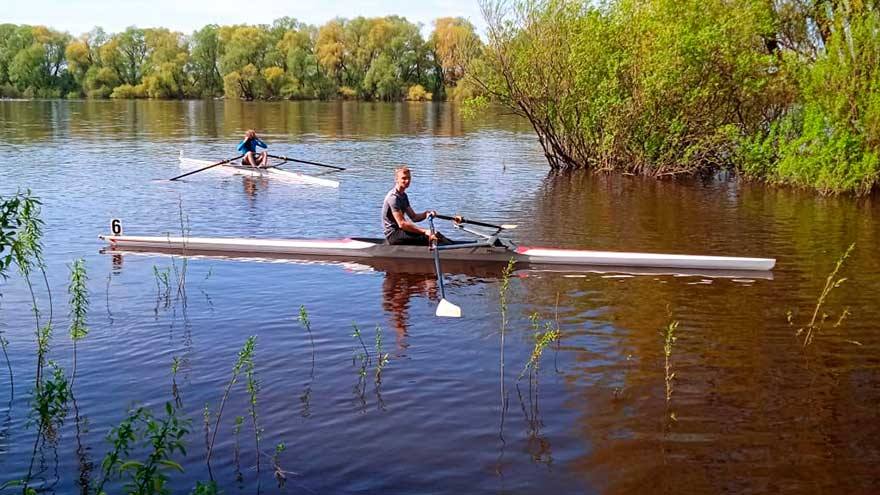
[(251, 186), (754, 410), (23, 122), (397, 290)]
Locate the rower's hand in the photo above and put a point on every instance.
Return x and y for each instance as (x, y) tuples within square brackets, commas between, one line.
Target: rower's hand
[(430, 214), (458, 219)]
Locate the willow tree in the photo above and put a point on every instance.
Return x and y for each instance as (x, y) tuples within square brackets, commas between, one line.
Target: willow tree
[(656, 87), (829, 139), (455, 44), (35, 61), (246, 52), (205, 61), (330, 49), (165, 74)]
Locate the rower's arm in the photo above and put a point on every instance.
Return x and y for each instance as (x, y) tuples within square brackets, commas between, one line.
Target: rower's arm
[(260, 143), (416, 217), (406, 225)]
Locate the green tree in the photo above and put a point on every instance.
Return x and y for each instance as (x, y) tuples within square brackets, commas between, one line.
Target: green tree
[(83, 58), (165, 68), (39, 67), (125, 54), (205, 61), (330, 49), (382, 80), (455, 44)]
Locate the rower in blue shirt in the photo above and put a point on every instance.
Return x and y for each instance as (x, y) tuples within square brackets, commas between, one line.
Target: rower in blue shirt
[(248, 147)]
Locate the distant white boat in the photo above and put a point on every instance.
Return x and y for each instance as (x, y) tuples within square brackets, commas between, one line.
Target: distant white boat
[(271, 172)]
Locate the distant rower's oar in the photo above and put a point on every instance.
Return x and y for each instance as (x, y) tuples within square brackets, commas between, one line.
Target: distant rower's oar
[(288, 159), (445, 308), (206, 168), (505, 226)]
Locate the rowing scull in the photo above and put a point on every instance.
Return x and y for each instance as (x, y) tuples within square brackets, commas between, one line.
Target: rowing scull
[(366, 248), (275, 173)]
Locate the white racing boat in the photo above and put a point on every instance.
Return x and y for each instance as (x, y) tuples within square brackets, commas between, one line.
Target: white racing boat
[(491, 248), (272, 172)]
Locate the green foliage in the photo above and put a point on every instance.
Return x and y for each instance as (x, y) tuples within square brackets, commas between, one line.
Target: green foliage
[(127, 91), (417, 92), (79, 300), (381, 357), (778, 91), (550, 334), (669, 339), (209, 488), (50, 399), (21, 231), (347, 93), (455, 44), (162, 437), (244, 361), (831, 140), (371, 57), (382, 81), (205, 60), (817, 322)]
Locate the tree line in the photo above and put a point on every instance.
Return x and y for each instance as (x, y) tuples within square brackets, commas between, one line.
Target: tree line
[(786, 91), (383, 58)]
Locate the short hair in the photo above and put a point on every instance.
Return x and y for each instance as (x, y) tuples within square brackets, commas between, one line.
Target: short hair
[(403, 169)]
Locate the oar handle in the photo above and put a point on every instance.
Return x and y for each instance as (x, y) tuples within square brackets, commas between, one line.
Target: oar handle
[(206, 168), (288, 159), (472, 222)]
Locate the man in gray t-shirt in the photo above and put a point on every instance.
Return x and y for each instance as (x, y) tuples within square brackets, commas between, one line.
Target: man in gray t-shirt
[(395, 209)]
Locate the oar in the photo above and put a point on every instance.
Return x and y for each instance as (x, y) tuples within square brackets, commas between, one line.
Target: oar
[(445, 308), (287, 159), (206, 168), (506, 226)]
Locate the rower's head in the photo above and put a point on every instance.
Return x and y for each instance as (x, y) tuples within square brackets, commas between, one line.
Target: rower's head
[(250, 134), (402, 178)]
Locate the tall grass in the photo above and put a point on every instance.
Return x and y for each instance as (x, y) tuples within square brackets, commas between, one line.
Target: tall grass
[(79, 307), (542, 340), (362, 358), (175, 390), (180, 273), (253, 388), (244, 357), (142, 429), (668, 343), (502, 298), (305, 398), (811, 329)]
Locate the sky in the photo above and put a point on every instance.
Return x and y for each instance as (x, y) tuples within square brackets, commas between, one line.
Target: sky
[(80, 16)]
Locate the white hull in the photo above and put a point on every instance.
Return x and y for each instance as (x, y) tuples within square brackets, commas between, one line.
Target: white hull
[(276, 174), (375, 248)]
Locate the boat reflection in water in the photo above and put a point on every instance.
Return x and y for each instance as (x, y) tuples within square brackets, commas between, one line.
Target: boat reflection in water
[(406, 278)]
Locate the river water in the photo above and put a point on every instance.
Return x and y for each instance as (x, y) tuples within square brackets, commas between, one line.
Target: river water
[(738, 403)]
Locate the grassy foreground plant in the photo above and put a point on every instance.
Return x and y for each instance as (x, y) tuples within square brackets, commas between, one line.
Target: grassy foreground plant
[(79, 307), (245, 356), (819, 316)]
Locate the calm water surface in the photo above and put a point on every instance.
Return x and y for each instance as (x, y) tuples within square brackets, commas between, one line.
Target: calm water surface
[(750, 408)]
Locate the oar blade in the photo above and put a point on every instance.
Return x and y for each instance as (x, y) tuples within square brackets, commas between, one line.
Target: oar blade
[(448, 310)]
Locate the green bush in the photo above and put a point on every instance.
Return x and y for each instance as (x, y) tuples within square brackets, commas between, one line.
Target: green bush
[(9, 91), (127, 91), (417, 93), (347, 93)]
